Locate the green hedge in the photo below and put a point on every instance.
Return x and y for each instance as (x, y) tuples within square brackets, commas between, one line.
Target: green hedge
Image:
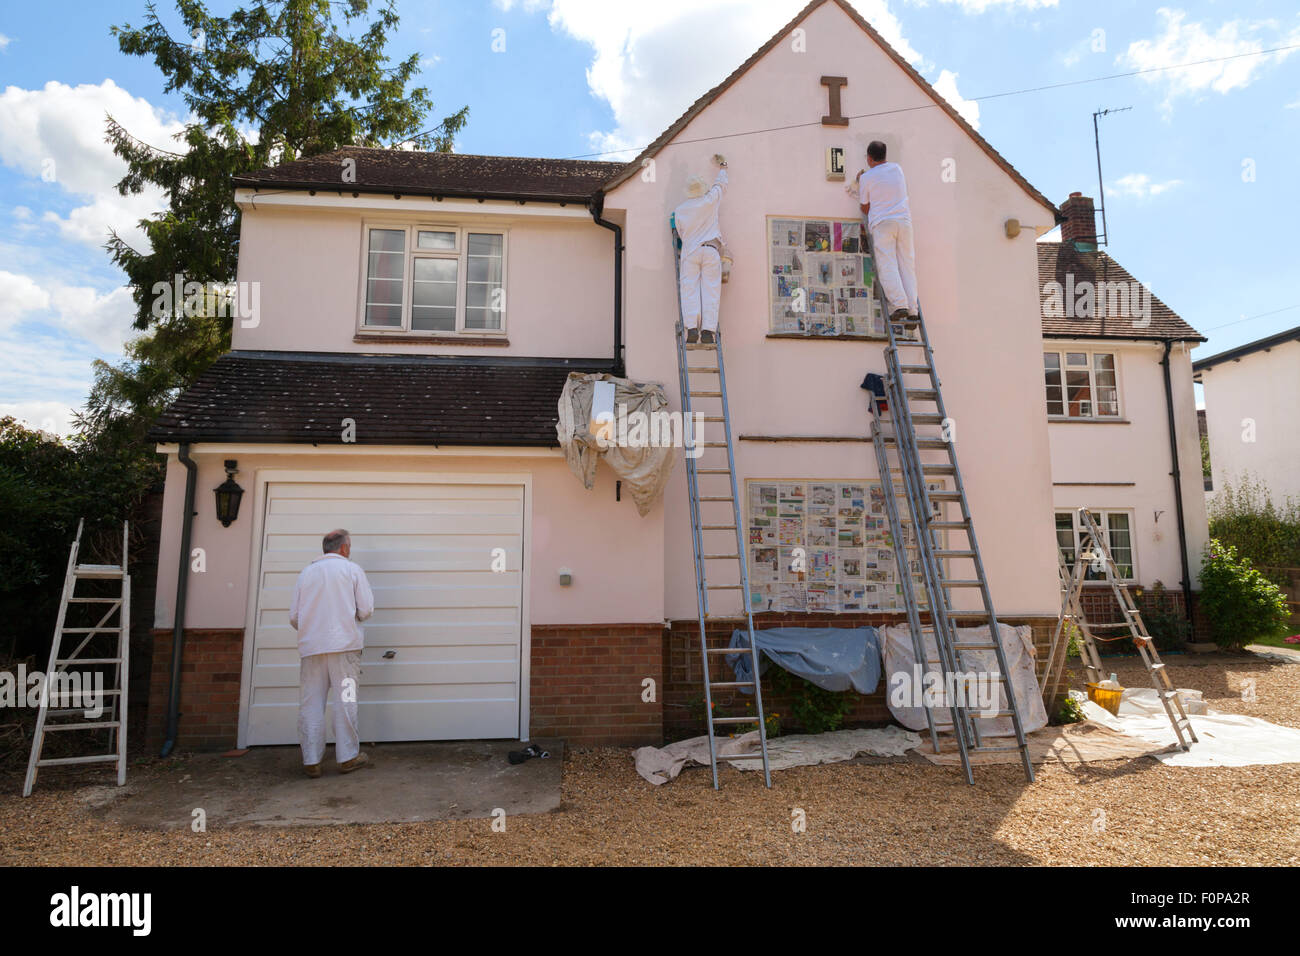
[(1239, 603), (1246, 519)]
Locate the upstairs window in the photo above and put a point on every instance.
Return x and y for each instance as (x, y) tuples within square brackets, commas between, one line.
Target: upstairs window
[(1081, 384), (434, 280)]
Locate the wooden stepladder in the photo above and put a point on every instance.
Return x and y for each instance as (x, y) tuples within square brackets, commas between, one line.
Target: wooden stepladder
[(94, 675), (1094, 553)]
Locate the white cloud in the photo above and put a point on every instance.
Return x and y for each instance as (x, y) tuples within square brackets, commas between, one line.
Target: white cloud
[(4, 42), (52, 417), (57, 133), (651, 61), (1181, 42), (1293, 106), (102, 320), (946, 86), (1141, 186), (18, 296)]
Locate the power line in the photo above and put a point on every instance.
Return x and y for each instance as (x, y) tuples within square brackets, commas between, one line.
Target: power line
[(974, 99), (1251, 318)]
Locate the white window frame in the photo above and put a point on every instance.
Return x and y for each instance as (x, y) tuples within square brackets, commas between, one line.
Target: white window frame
[(1102, 516), (461, 255), (1064, 415)]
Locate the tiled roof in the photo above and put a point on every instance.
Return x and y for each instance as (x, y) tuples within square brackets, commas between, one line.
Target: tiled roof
[(1060, 262), (297, 397), (700, 105), (440, 174)]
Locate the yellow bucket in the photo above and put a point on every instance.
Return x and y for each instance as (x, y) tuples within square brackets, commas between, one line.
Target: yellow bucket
[(1106, 698)]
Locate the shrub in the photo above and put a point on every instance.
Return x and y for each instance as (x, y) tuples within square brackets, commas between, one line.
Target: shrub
[(1238, 602), (1164, 620), (1267, 535), (814, 710)]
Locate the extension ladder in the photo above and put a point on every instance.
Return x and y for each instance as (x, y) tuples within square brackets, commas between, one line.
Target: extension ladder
[(906, 383), (1095, 552), (693, 360), (111, 650)]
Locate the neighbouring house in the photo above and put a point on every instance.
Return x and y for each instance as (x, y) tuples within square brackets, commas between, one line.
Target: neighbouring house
[(418, 315), (1121, 414), (1252, 393)]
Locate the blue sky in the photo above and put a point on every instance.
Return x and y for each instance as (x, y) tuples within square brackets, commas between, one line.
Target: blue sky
[(1200, 175)]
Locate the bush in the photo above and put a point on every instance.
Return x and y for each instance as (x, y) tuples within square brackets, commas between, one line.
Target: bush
[(1245, 518), (815, 711), (1238, 602)]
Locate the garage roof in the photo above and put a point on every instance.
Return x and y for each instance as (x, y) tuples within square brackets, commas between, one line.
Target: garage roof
[(303, 397)]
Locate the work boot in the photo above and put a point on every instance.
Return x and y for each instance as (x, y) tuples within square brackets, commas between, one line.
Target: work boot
[(692, 336), (707, 337), (360, 760), (898, 316), (311, 769)]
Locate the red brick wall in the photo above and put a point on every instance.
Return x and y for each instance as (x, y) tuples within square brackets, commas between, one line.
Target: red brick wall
[(586, 684), (210, 673), (683, 671)]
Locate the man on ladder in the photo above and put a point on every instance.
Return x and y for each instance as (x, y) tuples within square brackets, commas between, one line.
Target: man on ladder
[(882, 196), (701, 256)]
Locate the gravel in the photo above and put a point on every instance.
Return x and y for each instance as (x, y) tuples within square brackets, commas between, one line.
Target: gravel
[(857, 813)]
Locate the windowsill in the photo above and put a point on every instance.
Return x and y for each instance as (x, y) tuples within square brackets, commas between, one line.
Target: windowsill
[(827, 338), (1066, 419), (404, 338)]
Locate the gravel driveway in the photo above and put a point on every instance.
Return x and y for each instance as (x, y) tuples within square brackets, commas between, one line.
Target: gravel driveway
[(859, 813)]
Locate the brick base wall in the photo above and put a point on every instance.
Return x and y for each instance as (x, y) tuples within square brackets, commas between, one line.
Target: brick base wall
[(1099, 606), (684, 682), (586, 684), (211, 666)]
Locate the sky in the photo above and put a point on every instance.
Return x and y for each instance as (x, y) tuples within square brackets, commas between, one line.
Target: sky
[(1200, 183)]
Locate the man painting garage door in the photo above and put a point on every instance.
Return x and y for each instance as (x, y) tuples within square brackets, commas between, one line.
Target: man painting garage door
[(442, 650)]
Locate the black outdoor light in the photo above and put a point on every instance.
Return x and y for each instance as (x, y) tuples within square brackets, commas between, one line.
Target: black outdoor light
[(228, 495)]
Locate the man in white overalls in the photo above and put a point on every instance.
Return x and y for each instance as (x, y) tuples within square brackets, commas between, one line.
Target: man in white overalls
[(701, 255)]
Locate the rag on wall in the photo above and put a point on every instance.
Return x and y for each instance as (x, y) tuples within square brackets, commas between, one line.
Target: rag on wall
[(644, 470)]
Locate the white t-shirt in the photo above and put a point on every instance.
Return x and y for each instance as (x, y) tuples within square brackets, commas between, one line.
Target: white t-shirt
[(697, 219), (883, 186), (330, 600)]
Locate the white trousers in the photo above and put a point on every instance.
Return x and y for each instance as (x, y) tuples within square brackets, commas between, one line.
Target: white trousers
[(701, 288), (322, 677), (891, 242)]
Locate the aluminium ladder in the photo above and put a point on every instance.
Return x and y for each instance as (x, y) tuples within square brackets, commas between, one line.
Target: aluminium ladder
[(917, 381), (1094, 552), (692, 359), (55, 713)]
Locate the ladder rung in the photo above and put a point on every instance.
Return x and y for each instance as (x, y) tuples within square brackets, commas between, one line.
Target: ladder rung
[(720, 557), (732, 683), (930, 393), (947, 524), (703, 368), (990, 715), (706, 394), (927, 469), (88, 660), (726, 650), (88, 600), (914, 369), (954, 554), (945, 495), (994, 750), (722, 587), (716, 498), (713, 418), (735, 720), (62, 761), (967, 646), (710, 444), (695, 346), (718, 527), (927, 418), (1106, 625), (961, 583), (97, 571), (713, 471), (920, 441), (90, 630), (91, 725)]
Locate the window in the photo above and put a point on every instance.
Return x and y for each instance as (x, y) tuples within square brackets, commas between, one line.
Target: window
[(822, 546), (822, 282), (1081, 384), (1116, 527), (434, 279)]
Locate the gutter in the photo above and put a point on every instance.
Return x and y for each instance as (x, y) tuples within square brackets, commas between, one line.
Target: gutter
[(182, 588), (597, 206), (1178, 484)]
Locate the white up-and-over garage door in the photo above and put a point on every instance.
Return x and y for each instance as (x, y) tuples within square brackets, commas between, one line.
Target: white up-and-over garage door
[(442, 656)]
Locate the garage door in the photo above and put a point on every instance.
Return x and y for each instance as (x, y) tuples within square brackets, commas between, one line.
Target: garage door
[(442, 656)]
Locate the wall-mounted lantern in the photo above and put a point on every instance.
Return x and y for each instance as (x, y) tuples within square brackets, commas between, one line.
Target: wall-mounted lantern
[(228, 495)]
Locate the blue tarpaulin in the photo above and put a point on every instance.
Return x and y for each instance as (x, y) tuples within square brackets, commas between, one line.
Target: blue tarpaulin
[(833, 658)]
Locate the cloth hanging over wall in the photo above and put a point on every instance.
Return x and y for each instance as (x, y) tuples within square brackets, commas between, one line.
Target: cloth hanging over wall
[(644, 468), (833, 658), (1017, 645)]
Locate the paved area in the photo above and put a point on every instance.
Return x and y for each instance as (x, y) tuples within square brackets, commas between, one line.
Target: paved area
[(403, 783)]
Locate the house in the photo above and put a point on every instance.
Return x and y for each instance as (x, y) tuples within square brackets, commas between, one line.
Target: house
[(1251, 393), (1121, 414), (418, 315)]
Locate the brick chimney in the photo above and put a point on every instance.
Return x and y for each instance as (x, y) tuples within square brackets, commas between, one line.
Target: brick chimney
[(1080, 223)]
